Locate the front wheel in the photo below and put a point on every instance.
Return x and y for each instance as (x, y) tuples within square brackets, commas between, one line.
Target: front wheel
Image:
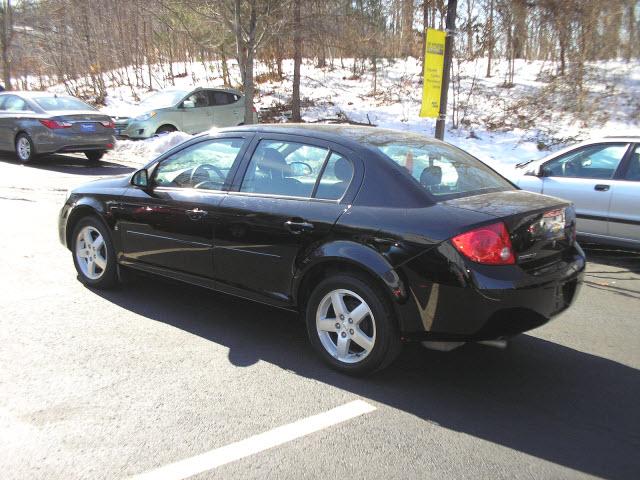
[(165, 129), (93, 254), (351, 325)]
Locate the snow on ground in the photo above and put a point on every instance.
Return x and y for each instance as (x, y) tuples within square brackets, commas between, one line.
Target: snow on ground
[(498, 125)]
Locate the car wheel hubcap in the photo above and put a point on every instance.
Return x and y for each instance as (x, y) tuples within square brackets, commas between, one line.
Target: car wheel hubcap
[(91, 253), (24, 148), (345, 325)]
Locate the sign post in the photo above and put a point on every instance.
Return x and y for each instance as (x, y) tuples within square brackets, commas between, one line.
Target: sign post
[(437, 69)]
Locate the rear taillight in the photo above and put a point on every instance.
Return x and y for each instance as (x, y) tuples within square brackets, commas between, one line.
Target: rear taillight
[(108, 124), (55, 124), (489, 245)]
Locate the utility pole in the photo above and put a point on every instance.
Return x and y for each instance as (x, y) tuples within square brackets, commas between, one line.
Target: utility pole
[(446, 74)]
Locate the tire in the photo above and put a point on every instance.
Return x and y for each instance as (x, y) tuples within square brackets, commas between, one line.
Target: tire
[(25, 150), (103, 274), (165, 129), (372, 341), (94, 156)]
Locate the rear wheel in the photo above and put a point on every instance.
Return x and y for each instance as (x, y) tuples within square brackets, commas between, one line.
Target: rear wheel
[(95, 156), (25, 150), (165, 129), (93, 254), (351, 325)]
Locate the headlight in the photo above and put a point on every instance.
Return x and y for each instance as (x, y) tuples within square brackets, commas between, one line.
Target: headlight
[(144, 117)]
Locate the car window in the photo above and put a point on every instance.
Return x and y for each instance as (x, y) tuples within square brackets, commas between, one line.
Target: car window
[(61, 103), (594, 161), (284, 168), (204, 166), (633, 170), (199, 99), (336, 178), (443, 170), (222, 98), (14, 104)]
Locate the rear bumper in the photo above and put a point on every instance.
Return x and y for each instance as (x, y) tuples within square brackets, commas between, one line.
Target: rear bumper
[(61, 143), (490, 302)]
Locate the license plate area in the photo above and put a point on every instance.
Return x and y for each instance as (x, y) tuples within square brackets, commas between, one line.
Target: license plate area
[(87, 127)]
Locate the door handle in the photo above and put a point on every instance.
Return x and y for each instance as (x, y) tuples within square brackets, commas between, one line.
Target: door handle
[(298, 227), (196, 214), (601, 187)]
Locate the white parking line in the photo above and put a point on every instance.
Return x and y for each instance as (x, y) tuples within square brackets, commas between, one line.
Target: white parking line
[(258, 443)]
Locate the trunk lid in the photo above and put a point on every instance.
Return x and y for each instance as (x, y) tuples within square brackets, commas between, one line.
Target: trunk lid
[(82, 121), (541, 228)]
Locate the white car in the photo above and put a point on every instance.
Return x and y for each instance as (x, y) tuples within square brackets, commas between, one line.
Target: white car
[(602, 178)]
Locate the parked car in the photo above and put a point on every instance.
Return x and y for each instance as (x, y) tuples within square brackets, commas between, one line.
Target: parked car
[(602, 178), (37, 123), (190, 111), (376, 236)]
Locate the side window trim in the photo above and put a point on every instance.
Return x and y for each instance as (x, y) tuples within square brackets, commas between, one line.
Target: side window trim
[(321, 173), (625, 164)]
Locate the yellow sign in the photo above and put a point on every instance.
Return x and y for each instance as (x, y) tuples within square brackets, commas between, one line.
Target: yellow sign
[(432, 75)]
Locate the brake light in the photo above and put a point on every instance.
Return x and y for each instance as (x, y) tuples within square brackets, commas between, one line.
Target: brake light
[(55, 124), (108, 124), (489, 245)]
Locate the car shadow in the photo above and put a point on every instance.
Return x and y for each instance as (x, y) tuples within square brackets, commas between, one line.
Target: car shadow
[(623, 258), (71, 164), (538, 397)]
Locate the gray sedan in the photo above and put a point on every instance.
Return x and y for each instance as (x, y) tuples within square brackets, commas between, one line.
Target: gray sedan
[(36, 123), (602, 178)]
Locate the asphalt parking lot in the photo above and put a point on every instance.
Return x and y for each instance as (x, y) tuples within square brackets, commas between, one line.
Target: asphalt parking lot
[(120, 383)]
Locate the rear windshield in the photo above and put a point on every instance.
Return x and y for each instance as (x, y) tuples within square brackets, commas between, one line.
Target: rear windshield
[(61, 103), (442, 170)]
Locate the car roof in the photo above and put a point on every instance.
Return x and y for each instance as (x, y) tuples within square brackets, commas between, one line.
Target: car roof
[(35, 94), (352, 136), (593, 141)]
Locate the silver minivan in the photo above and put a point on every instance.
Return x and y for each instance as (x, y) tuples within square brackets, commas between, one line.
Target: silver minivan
[(602, 178), (175, 109)]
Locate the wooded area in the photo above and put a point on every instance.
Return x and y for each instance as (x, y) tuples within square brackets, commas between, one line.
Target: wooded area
[(44, 42)]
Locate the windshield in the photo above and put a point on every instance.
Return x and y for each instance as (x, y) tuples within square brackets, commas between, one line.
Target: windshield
[(444, 171), (164, 99), (61, 103)]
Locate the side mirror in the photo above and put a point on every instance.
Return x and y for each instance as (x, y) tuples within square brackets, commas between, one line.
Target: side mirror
[(542, 172), (140, 179), (188, 104)]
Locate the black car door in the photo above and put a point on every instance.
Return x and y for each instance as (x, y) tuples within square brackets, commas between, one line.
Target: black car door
[(169, 224), (289, 193)]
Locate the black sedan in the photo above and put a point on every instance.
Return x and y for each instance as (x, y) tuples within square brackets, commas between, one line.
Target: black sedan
[(37, 123), (377, 237)]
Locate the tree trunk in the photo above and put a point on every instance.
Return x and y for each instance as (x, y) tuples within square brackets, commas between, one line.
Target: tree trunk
[(297, 60), (490, 39), (248, 76)]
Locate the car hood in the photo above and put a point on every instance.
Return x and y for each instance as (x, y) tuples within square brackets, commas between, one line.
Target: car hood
[(127, 111), (112, 185)]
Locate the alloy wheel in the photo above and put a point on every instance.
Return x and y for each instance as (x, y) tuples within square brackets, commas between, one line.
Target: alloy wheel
[(23, 147), (346, 326), (91, 253)]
